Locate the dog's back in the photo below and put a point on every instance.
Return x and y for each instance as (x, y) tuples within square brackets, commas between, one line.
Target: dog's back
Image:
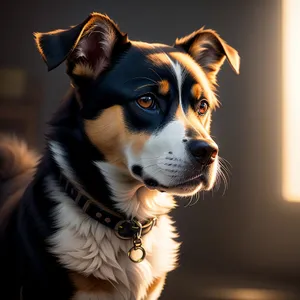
[(17, 166)]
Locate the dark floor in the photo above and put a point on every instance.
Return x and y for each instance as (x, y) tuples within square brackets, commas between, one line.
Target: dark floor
[(214, 287)]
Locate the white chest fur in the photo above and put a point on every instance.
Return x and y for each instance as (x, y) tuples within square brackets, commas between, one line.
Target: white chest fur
[(85, 246)]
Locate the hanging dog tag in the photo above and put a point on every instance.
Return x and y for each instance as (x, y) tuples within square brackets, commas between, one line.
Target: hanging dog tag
[(137, 254)]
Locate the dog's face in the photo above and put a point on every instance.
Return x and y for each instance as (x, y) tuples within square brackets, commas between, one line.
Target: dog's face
[(146, 107), (157, 126)]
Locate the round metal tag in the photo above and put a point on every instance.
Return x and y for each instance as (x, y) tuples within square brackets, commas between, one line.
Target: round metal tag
[(137, 254)]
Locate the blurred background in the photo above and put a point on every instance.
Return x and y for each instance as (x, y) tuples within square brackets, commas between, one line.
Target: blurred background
[(241, 244)]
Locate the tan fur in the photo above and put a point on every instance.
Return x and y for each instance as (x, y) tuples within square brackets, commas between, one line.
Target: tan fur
[(109, 134), (17, 166), (196, 91), (197, 49), (83, 70), (199, 75), (137, 141), (191, 120), (159, 59), (163, 87), (208, 36), (99, 24), (90, 284), (156, 287), (201, 124)]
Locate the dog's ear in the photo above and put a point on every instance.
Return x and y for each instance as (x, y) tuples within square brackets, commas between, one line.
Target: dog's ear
[(87, 47), (209, 50)]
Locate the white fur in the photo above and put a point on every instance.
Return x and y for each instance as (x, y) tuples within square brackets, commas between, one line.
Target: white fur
[(85, 246), (60, 157), (178, 72), (155, 154), (164, 156), (132, 197), (179, 75)]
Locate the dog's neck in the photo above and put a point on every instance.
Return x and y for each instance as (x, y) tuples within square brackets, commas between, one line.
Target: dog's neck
[(84, 166)]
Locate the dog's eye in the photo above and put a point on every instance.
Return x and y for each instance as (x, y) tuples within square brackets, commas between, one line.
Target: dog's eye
[(147, 102), (202, 107)]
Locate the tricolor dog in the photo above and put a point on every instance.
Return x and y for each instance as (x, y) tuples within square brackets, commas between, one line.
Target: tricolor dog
[(89, 219)]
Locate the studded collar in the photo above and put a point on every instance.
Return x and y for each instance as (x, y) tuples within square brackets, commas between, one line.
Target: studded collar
[(123, 228)]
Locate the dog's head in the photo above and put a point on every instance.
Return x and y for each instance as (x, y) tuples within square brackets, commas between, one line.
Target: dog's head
[(146, 107)]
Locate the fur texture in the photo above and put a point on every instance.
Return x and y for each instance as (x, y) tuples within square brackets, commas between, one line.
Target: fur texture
[(85, 246), (129, 138), (17, 166)]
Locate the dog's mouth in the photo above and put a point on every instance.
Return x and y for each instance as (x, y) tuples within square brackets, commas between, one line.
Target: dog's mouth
[(188, 184), (184, 183)]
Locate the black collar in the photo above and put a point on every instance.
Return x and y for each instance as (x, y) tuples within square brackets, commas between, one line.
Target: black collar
[(123, 228)]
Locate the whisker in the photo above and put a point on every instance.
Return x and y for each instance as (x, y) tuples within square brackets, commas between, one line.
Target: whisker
[(218, 182), (226, 161), (225, 164), (155, 73), (197, 196), (156, 172), (145, 85), (149, 158), (188, 204), (203, 194), (225, 182), (149, 166), (225, 170)]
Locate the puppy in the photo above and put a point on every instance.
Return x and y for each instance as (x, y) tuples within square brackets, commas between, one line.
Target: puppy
[(134, 131)]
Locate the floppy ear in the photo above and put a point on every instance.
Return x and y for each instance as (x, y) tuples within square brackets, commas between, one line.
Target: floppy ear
[(210, 51), (87, 47)]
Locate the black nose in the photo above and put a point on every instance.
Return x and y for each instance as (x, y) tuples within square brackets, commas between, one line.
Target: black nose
[(205, 152)]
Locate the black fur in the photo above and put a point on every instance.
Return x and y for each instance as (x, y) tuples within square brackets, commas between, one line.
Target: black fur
[(27, 266)]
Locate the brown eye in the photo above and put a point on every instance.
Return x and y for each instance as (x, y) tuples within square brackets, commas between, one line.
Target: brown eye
[(202, 108), (146, 102)]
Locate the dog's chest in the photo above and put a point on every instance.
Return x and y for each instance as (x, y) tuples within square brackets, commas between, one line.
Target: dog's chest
[(88, 248)]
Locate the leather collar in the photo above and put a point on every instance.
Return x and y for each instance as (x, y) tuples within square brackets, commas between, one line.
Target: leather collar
[(123, 228)]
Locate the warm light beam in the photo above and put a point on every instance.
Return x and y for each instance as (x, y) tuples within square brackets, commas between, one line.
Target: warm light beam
[(291, 99)]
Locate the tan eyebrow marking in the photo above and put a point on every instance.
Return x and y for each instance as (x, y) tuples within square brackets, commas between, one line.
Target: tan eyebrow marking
[(159, 59), (163, 87), (196, 91), (199, 75)]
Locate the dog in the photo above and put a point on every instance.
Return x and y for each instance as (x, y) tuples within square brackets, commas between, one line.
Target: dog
[(89, 219)]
